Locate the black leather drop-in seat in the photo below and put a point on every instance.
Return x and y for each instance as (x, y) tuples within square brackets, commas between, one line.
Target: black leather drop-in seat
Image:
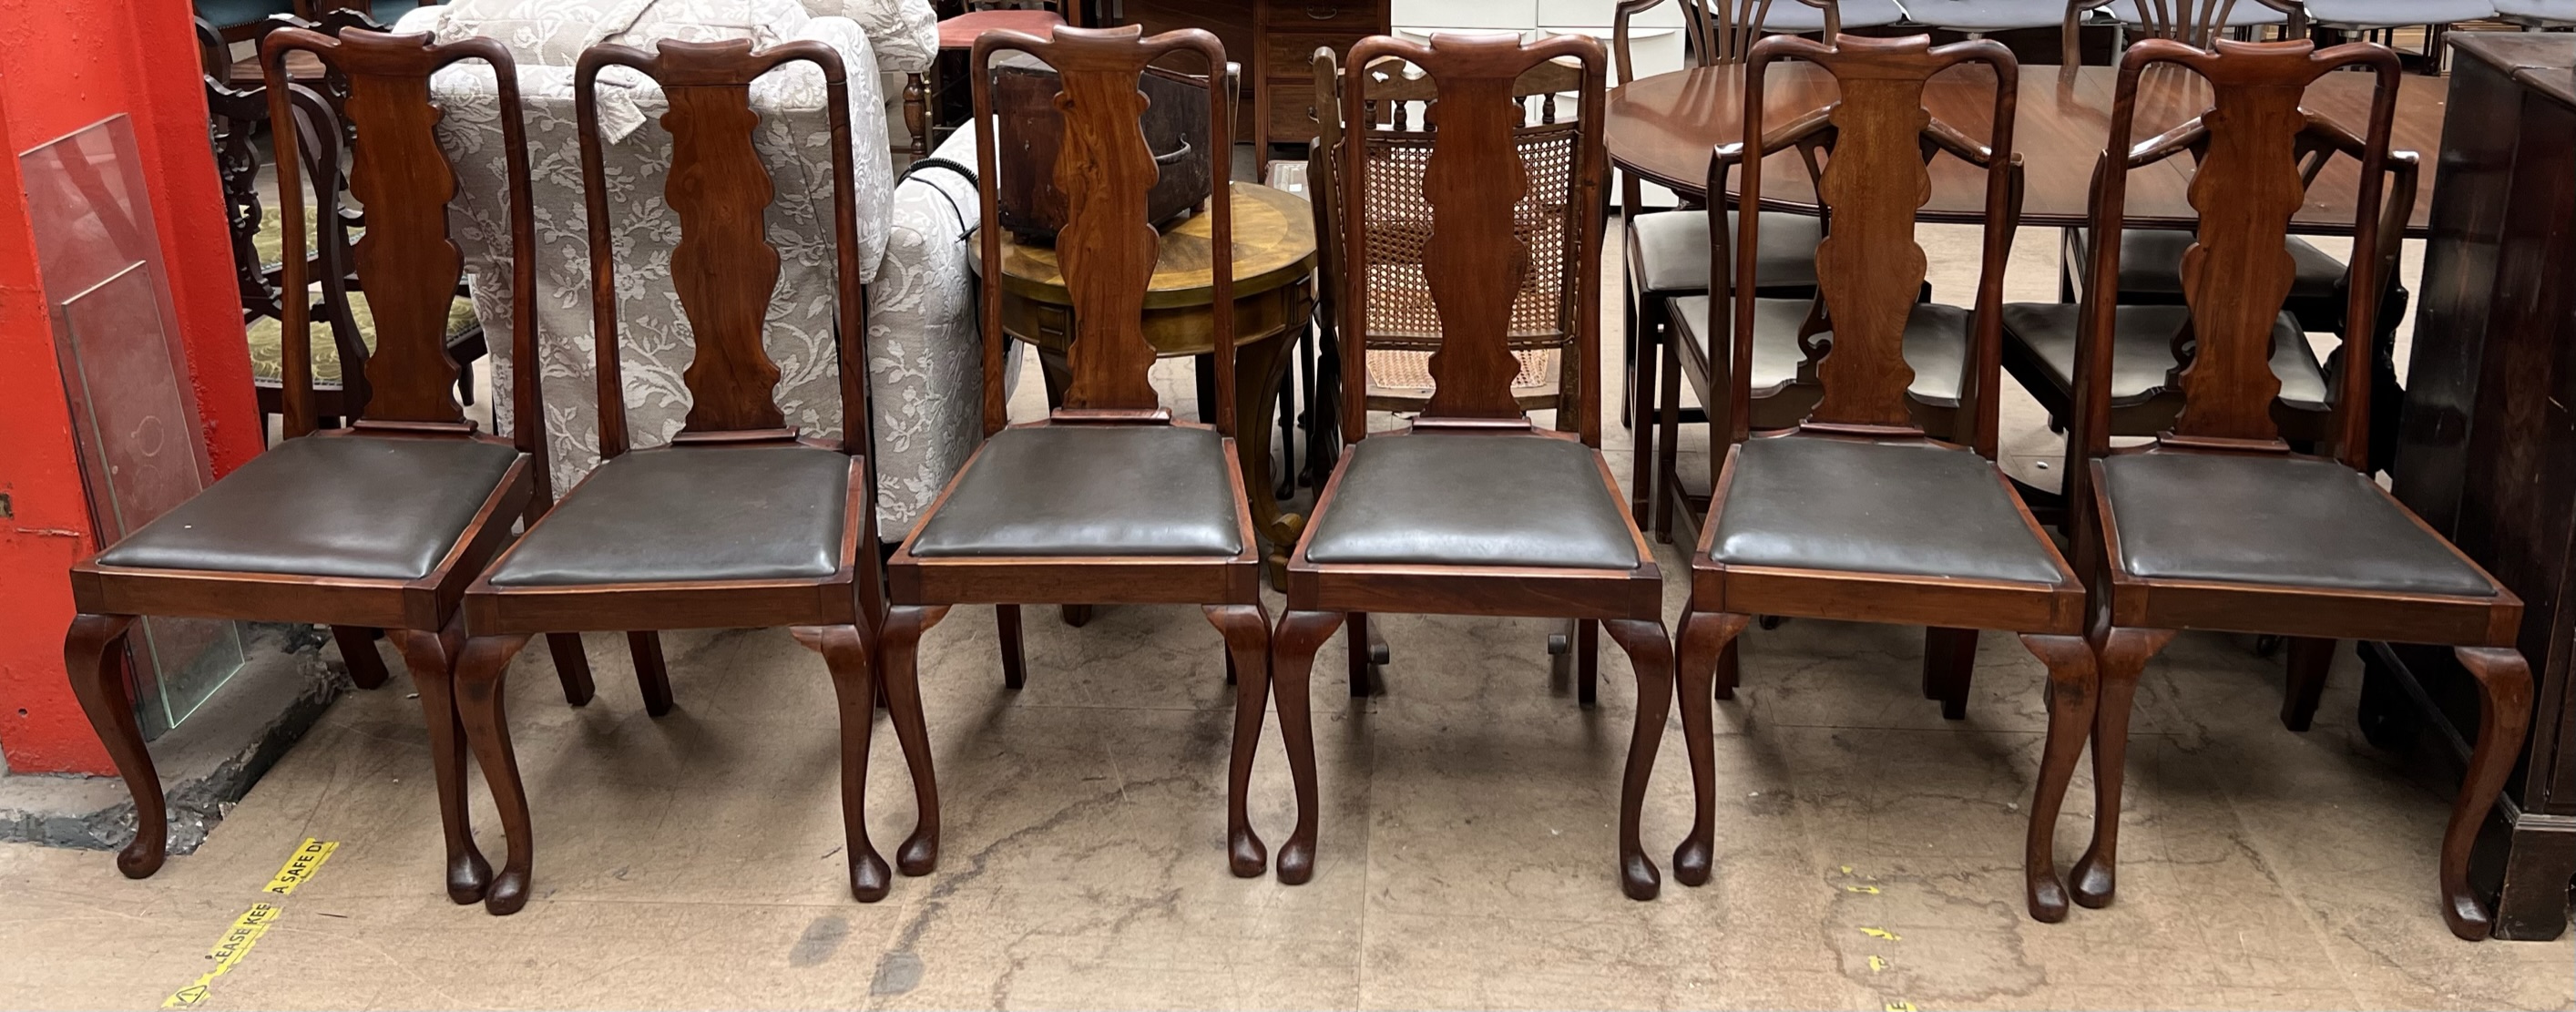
[(1089, 490), (1936, 343), (1807, 502), (1445, 499), (2278, 521), (688, 514), (2142, 349), (345, 506), (2151, 263), (1669, 253)]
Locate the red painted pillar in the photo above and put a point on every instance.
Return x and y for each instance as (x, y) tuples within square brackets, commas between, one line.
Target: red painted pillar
[(64, 66)]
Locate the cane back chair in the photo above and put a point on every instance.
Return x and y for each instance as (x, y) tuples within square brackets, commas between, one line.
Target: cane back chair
[(2217, 524), (1473, 510), (404, 505), (1404, 320), (1403, 325), (1108, 500), (741, 521)]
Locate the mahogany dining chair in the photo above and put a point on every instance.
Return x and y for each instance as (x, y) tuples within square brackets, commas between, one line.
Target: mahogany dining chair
[(1861, 512), (1472, 509), (397, 511), (1107, 500), (2218, 523), (741, 521)]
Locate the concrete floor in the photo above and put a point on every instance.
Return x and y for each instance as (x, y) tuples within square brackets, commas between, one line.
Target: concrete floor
[(1868, 851)]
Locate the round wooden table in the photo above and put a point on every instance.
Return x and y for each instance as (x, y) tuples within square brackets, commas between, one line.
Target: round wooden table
[(1662, 128), (1274, 258)]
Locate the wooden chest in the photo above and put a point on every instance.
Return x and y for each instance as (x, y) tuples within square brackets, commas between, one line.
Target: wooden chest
[(1286, 34)]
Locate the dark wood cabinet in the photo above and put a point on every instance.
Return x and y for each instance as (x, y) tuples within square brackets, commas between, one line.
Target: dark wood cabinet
[(1275, 40), (2487, 449)]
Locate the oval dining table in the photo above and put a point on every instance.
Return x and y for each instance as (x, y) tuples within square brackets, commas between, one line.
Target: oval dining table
[(1661, 128)]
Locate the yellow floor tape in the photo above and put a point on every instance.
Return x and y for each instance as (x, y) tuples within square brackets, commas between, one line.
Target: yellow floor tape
[(247, 929)]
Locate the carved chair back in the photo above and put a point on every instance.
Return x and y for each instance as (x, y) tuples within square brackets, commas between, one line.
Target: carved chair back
[(1714, 32), (1107, 249), (1476, 249), (2194, 22), (406, 261), (2256, 149), (724, 268), (2316, 144), (1876, 142), (1403, 324)]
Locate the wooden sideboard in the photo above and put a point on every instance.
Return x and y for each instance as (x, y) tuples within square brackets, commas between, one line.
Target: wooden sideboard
[(2487, 450), (1275, 40)]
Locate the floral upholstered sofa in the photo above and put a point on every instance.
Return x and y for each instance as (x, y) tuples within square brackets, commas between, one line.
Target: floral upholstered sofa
[(924, 360)]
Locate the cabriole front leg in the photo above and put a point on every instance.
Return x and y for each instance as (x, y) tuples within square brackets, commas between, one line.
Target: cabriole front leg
[(1247, 643), (479, 690), (432, 658), (2504, 714), (1292, 656), (1706, 638), (2071, 685), (1650, 652), (100, 686)]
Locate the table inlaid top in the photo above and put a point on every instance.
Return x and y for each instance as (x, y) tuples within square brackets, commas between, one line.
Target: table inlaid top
[(1274, 244)]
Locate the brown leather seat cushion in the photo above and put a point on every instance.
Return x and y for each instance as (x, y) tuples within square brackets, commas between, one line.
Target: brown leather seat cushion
[(330, 505), (1936, 343), (691, 514), (2281, 521), (1668, 251), (1057, 490), (1474, 500), (2142, 349), (1808, 502)]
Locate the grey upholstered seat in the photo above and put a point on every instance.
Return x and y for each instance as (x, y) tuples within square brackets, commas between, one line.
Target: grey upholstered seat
[(2244, 13), (1986, 15), (1056, 490), (1669, 251), (691, 514), (2386, 13), (2151, 263), (1936, 343), (1795, 18), (346, 506), (2538, 10), (2142, 349), (1808, 502), (1474, 500), (2278, 521)]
